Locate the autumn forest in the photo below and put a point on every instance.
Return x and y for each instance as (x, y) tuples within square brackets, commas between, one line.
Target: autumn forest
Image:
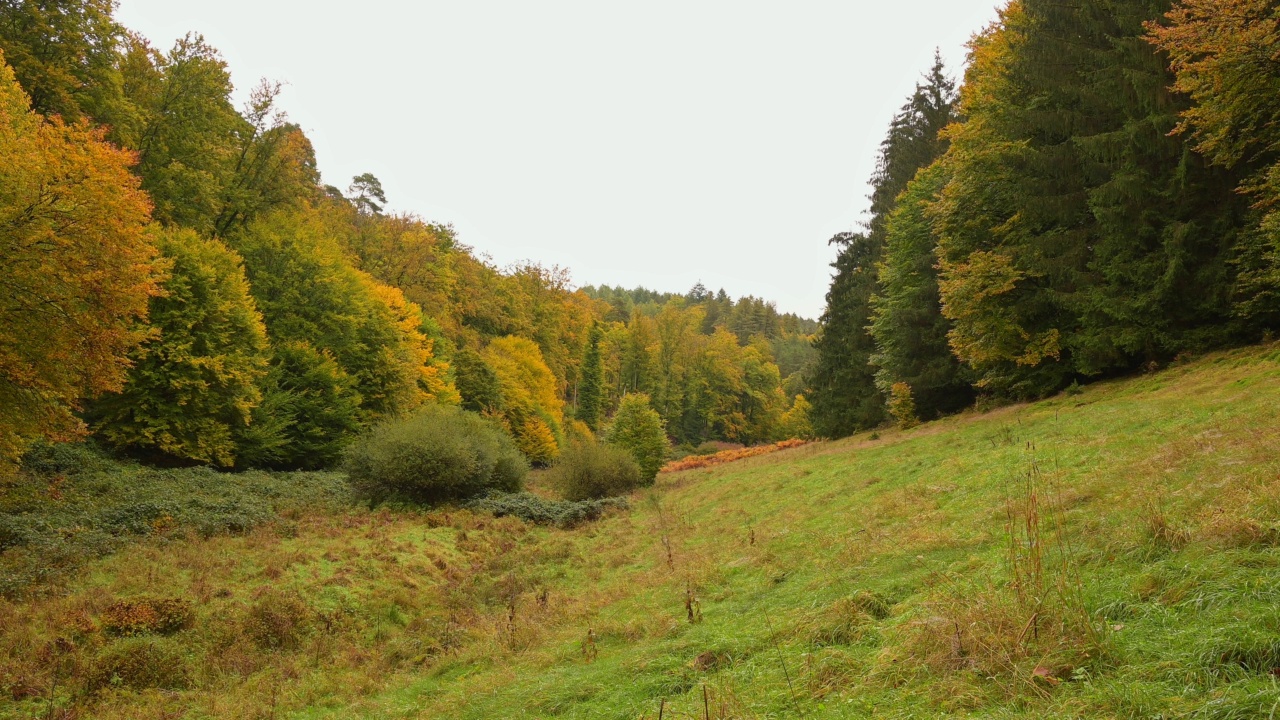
[(320, 454), (182, 288)]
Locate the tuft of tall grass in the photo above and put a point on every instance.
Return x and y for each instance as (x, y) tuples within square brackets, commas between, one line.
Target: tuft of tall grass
[(1029, 632)]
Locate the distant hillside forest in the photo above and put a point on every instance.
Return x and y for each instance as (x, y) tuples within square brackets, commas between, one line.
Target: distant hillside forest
[(1100, 196), (180, 285)]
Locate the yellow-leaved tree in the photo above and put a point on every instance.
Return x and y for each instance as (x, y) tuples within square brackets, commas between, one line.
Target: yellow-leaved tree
[(531, 407), (76, 270)]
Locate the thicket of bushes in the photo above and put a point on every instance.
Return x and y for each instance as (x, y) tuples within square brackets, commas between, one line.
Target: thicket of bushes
[(441, 453), (590, 470), (71, 502)]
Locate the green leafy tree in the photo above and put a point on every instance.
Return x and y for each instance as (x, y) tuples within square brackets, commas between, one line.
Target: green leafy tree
[(310, 411), (64, 54), (274, 167), (477, 384), (186, 130), (639, 362), (307, 291), (639, 430), (206, 165), (676, 329), (195, 383)]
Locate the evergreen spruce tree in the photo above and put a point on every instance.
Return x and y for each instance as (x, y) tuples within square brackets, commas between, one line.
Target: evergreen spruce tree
[(843, 383), (908, 326), (845, 397), (591, 390), (1077, 236)]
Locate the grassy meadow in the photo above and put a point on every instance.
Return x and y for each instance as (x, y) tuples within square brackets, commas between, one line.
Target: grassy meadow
[(1108, 553)]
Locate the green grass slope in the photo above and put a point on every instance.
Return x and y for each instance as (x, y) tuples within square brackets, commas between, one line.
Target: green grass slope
[(1113, 553)]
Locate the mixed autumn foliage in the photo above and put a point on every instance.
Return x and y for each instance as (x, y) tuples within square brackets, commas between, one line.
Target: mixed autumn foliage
[(180, 284), (1098, 196)]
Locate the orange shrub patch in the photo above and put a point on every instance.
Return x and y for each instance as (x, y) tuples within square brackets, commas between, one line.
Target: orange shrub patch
[(700, 461)]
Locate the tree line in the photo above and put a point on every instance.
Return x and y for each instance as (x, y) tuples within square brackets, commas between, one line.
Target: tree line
[(1097, 197), (179, 283)]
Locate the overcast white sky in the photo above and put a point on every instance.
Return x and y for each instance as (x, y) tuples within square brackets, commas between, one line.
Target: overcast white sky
[(656, 143)]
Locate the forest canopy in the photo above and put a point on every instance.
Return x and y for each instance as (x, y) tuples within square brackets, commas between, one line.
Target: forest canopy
[(182, 286), (1096, 198)]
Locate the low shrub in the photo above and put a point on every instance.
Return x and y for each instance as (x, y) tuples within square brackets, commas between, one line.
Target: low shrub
[(587, 471), (442, 453), (540, 511), (64, 458), (70, 503), (141, 662), (140, 616)]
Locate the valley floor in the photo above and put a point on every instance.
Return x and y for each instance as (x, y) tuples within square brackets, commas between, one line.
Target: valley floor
[(1110, 554)]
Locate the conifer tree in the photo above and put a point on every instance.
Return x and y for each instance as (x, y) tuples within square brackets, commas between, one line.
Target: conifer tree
[(591, 390), (907, 324), (845, 397), (843, 382), (1077, 237)]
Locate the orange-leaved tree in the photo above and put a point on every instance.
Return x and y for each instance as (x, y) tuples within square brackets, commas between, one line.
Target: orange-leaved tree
[(76, 270)]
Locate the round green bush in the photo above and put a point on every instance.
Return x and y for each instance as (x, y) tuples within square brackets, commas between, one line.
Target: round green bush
[(589, 470), (441, 453)]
